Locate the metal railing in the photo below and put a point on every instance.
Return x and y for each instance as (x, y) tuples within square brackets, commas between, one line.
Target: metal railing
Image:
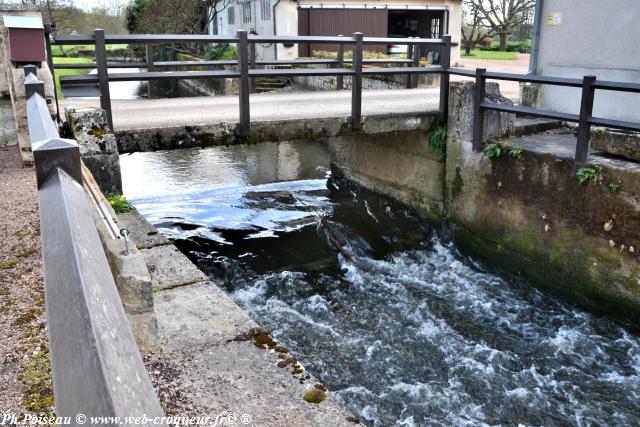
[(96, 365), (585, 119), (246, 65), (246, 71)]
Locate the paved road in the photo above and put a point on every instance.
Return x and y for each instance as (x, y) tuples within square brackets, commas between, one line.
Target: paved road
[(159, 113)]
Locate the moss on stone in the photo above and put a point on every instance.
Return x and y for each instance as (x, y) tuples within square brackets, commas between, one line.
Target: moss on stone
[(314, 396)]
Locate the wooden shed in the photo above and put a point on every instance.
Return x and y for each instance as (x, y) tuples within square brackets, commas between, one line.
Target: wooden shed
[(398, 21), (26, 39)]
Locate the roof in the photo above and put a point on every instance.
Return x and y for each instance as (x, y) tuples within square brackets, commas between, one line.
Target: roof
[(34, 22)]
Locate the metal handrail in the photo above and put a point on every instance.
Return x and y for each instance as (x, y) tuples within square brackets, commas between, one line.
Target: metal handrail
[(246, 71), (585, 119)]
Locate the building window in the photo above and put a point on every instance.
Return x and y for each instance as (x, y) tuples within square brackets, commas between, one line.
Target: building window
[(246, 13), (435, 28), (231, 15), (266, 9)]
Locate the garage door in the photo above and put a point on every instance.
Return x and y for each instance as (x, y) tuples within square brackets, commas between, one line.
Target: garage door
[(331, 22)]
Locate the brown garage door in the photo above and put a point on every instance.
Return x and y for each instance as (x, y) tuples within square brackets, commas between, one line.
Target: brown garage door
[(331, 22)]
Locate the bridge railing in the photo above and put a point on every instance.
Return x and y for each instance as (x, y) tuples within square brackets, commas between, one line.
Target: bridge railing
[(96, 365), (245, 66), (588, 85)]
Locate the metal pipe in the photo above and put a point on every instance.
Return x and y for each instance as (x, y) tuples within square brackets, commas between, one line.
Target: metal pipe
[(535, 37)]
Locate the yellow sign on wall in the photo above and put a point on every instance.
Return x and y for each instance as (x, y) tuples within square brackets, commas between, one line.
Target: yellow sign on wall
[(554, 18)]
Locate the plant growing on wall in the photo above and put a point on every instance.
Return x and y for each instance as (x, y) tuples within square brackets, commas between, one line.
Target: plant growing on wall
[(587, 174), (438, 140), (492, 150)]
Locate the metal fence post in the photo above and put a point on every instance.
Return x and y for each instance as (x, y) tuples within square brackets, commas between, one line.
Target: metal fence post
[(243, 83), (103, 75), (340, 58), (48, 29), (584, 128), (416, 63), (478, 112), (148, 49), (356, 83), (409, 56), (252, 65), (445, 62)]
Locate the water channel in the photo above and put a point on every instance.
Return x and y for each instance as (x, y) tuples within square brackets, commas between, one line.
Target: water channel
[(396, 322)]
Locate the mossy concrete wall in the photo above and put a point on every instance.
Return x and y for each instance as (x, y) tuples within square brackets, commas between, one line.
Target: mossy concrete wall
[(531, 216)]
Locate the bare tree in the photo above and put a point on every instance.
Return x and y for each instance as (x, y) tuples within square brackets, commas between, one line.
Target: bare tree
[(501, 16), (473, 32)]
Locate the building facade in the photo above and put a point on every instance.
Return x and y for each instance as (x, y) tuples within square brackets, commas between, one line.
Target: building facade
[(391, 18), (589, 37)]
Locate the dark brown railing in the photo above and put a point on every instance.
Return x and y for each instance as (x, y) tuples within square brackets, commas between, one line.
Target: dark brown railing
[(585, 119), (246, 71), (246, 64)]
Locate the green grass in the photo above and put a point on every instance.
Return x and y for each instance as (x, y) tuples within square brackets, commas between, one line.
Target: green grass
[(490, 54), (74, 50), (65, 60)]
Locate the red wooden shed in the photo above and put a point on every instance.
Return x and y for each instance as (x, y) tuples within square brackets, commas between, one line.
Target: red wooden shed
[(26, 38)]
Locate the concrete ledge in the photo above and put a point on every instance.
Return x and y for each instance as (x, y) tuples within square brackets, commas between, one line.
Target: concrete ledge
[(141, 231), (130, 141), (169, 268), (211, 340)]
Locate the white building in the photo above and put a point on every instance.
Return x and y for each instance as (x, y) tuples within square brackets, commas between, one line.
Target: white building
[(589, 37), (374, 18)]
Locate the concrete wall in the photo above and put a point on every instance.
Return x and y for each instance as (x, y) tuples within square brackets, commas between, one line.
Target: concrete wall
[(392, 157), (592, 37), (531, 216)]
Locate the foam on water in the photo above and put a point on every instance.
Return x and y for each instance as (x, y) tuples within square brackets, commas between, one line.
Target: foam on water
[(397, 324), (426, 337)]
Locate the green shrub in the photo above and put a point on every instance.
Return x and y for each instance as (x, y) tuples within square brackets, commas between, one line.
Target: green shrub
[(523, 46), (220, 52)]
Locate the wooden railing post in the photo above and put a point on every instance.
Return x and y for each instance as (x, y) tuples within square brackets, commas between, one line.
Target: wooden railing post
[(586, 111), (445, 62), (478, 112), (103, 75), (340, 58), (148, 49), (356, 83), (243, 82), (252, 65)]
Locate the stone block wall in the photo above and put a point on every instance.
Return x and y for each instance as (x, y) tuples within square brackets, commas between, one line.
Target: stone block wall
[(98, 147)]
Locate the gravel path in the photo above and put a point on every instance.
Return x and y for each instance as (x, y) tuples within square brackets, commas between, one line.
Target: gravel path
[(25, 384)]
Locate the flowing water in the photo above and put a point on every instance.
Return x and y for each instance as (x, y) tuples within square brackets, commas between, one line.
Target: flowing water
[(394, 321)]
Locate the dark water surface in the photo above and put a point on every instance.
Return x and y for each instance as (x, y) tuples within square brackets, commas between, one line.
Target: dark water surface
[(399, 325)]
